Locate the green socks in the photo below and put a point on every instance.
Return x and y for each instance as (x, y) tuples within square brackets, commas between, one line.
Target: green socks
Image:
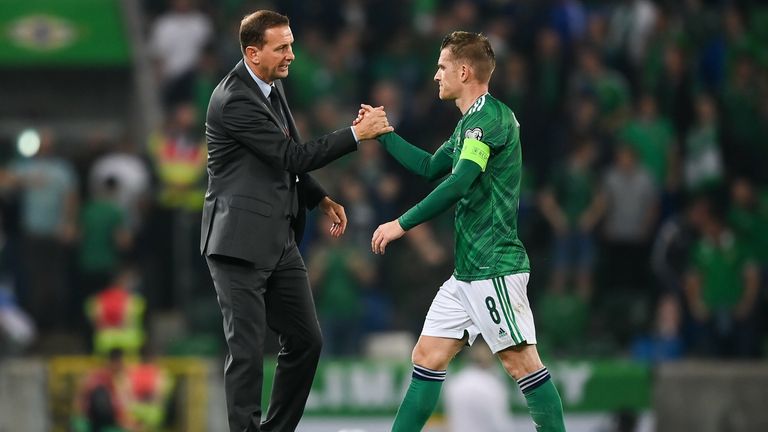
[(543, 401), (420, 400)]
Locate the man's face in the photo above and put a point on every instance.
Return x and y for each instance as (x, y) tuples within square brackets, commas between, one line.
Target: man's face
[(272, 60), (448, 76)]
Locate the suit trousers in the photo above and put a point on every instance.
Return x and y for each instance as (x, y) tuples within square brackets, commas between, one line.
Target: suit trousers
[(251, 299)]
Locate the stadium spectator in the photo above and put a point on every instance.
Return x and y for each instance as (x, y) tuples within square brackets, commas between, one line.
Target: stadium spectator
[(100, 402), (117, 315), (133, 181), (673, 87), (583, 122), (663, 342), (178, 153), (748, 216), (49, 207), (513, 87), (104, 239), (546, 80), (569, 18), (608, 87), (744, 147), (177, 39), (147, 393), (570, 207), (631, 26), (653, 140), (670, 255), (630, 202), (722, 290), (703, 162)]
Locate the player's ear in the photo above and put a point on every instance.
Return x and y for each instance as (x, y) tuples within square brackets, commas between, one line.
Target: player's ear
[(465, 72)]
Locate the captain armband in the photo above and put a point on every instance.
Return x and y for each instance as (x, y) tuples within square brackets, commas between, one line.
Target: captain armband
[(476, 151)]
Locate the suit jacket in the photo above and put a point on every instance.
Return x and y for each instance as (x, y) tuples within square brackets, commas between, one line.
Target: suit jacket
[(258, 186)]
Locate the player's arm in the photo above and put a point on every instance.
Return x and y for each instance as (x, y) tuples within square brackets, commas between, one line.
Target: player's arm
[(416, 160), (473, 160), (446, 194)]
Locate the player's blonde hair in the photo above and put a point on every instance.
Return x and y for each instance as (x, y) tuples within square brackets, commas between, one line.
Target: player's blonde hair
[(475, 49)]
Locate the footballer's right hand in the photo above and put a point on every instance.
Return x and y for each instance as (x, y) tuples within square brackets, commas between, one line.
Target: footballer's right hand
[(372, 124), (364, 109), (367, 111)]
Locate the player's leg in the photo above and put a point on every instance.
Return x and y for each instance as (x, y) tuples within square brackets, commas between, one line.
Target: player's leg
[(430, 361), (499, 308), (446, 329), (520, 357), (523, 364)]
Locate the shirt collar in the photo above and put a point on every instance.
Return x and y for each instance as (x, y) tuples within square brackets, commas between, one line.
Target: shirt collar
[(265, 88)]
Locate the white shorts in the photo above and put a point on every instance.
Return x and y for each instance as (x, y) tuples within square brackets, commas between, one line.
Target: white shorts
[(497, 308)]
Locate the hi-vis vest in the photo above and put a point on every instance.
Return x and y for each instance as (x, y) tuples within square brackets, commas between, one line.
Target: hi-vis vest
[(181, 168), (117, 318), (149, 387)]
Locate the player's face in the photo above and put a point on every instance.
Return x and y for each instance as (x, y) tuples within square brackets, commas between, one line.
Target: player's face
[(272, 60), (448, 76)]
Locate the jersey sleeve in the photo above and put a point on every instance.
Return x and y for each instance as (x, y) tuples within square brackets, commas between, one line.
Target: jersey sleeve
[(446, 194), (416, 160)]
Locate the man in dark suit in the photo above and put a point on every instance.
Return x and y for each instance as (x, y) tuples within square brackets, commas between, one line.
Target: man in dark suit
[(253, 217)]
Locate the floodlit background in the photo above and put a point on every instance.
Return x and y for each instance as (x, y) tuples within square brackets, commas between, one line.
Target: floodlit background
[(644, 207)]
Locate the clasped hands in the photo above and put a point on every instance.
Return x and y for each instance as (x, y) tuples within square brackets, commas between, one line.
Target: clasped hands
[(372, 123)]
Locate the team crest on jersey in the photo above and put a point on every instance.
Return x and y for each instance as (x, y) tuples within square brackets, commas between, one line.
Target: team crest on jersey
[(475, 133)]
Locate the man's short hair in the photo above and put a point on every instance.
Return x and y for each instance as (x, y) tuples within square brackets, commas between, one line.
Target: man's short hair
[(253, 27), (475, 49)]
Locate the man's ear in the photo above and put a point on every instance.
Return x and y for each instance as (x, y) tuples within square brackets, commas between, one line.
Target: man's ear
[(465, 73), (253, 54)]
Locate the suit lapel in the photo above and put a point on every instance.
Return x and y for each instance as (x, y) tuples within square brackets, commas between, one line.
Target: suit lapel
[(241, 71), (287, 111)]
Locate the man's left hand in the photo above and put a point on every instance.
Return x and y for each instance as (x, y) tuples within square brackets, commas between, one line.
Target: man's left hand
[(337, 215), (384, 234)]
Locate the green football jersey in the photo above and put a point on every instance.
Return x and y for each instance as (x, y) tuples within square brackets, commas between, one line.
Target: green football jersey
[(487, 244)]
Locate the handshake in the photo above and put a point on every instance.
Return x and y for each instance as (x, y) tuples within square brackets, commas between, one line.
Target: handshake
[(371, 122)]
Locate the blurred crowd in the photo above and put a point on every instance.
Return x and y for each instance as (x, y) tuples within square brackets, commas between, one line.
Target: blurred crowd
[(644, 127)]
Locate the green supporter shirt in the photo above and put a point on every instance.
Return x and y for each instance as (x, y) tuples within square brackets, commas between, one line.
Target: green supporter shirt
[(98, 250), (741, 108), (574, 189), (339, 295), (751, 227), (612, 92), (652, 142), (483, 157), (721, 268)]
